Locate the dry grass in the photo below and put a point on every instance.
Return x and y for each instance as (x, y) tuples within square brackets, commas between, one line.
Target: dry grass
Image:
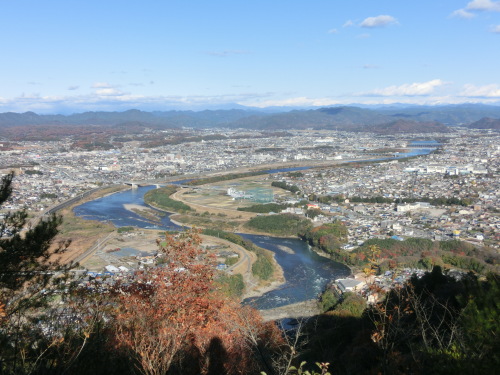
[(82, 233)]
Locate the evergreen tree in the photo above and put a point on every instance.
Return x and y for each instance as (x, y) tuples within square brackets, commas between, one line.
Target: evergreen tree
[(30, 275)]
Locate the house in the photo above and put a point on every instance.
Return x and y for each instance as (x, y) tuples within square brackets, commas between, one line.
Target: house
[(349, 285), (111, 269)]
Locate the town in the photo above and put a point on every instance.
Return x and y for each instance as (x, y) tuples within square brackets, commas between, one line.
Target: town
[(453, 190)]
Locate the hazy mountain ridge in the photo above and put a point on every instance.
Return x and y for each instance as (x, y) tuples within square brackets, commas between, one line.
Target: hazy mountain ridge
[(451, 115), (410, 126), (352, 118), (486, 123)]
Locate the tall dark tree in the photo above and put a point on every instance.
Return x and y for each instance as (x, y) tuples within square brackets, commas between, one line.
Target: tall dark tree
[(30, 276)]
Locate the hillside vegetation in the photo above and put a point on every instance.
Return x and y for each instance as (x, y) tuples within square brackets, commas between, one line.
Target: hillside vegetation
[(418, 253), (432, 325), (327, 237)]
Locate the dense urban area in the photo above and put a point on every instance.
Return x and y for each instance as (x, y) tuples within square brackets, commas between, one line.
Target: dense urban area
[(344, 190), (463, 170)]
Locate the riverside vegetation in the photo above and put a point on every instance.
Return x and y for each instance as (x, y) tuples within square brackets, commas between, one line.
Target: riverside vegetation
[(175, 320), (263, 267), (329, 238), (161, 198)]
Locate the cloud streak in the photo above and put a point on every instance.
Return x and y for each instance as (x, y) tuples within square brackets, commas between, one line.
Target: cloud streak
[(462, 13), (477, 6), (109, 92), (484, 5), (102, 85), (110, 99), (487, 91), (378, 21), (409, 89)]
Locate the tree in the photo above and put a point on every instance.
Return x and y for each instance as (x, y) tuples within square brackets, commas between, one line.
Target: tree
[(373, 261), (421, 325), (173, 318), (313, 212), (30, 274)]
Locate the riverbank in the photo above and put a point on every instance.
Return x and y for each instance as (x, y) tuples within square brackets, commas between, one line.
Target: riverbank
[(353, 271), (212, 219), (83, 234), (304, 309), (253, 286), (306, 280)]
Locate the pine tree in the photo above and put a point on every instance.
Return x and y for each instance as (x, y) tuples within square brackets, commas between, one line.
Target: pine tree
[(30, 276)]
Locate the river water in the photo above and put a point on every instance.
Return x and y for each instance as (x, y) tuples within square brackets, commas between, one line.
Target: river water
[(306, 273)]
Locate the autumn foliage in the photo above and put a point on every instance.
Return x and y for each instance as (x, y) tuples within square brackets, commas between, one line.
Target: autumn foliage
[(173, 319)]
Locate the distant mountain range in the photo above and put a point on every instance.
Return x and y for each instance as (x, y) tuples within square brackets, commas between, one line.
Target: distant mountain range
[(486, 123), (389, 120)]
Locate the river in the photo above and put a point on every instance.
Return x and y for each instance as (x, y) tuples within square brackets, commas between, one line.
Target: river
[(306, 273)]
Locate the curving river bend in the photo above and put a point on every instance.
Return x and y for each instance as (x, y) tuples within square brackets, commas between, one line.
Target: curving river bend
[(306, 273)]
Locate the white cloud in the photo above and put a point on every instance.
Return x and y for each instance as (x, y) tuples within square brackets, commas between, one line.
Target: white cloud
[(333, 31), (409, 89), (495, 29), (484, 5), (378, 21), (72, 88), (348, 23), (487, 91), (109, 92), (433, 92), (101, 85), (479, 6), (462, 13), (107, 100), (300, 101)]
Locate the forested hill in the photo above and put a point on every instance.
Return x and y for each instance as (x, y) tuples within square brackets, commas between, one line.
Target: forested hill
[(486, 123), (381, 120)]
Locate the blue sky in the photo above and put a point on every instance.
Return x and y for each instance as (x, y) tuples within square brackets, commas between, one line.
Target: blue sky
[(74, 56)]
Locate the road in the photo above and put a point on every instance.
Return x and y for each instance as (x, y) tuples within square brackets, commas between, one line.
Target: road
[(101, 242)]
